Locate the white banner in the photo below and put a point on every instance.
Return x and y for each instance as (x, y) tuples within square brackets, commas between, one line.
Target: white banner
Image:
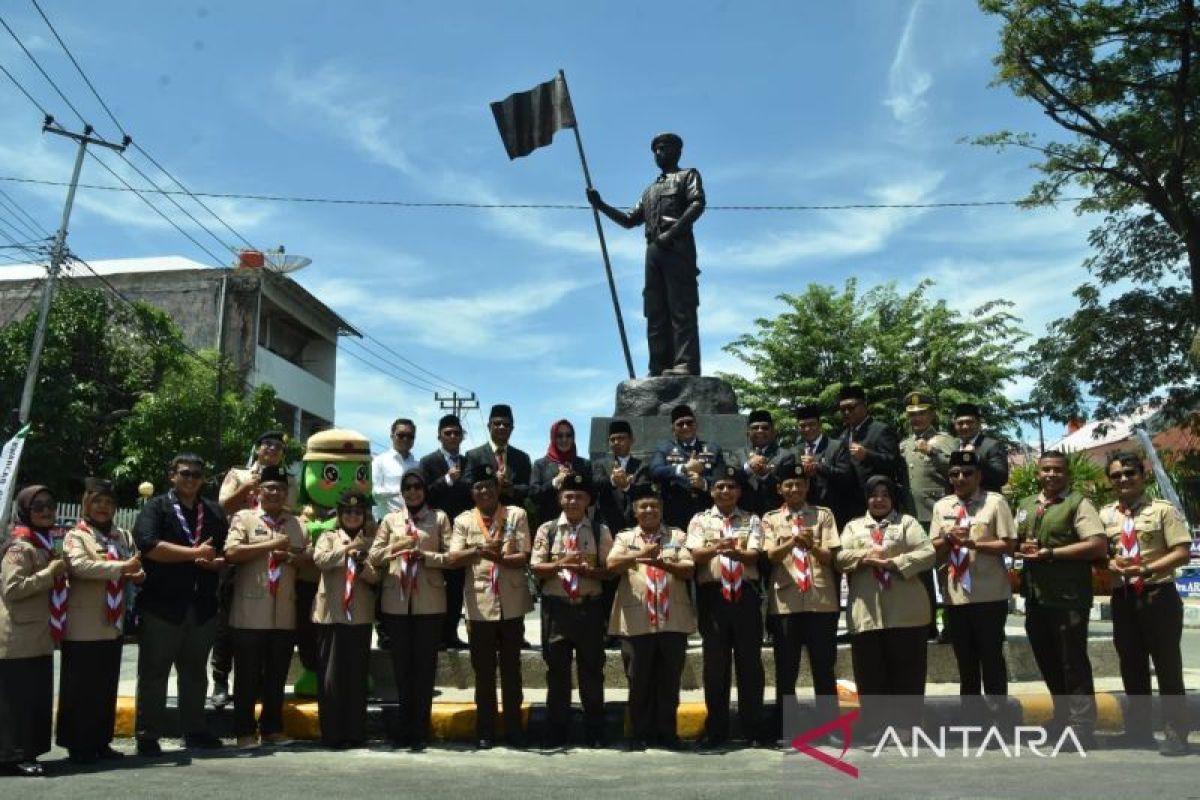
[(10, 461)]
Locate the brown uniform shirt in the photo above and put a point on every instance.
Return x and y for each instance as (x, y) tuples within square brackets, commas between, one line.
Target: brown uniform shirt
[(708, 527), (822, 594), (328, 608), (89, 572), (428, 594), (1159, 527), (630, 614), (592, 540), (509, 598), (254, 607), (990, 519), (904, 603), (25, 582)]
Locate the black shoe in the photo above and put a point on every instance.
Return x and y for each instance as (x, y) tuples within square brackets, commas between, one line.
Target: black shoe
[(148, 747), (202, 741), (26, 769), (107, 753), (525, 645), (417, 746), (612, 643), (594, 742), (484, 744), (842, 638), (834, 739), (636, 745), (1174, 746), (943, 637), (712, 744), (1132, 741), (82, 756), (516, 742), (220, 695), (1087, 740), (671, 743), (455, 644)]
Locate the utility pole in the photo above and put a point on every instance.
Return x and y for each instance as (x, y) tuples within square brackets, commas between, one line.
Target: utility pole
[(58, 254), (457, 403)]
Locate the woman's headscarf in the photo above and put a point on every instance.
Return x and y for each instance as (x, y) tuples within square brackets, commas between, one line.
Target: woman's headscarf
[(92, 489), (893, 491), (25, 502), (564, 457)]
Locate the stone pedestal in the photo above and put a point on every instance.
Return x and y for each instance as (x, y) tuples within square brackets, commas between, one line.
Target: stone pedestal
[(646, 405)]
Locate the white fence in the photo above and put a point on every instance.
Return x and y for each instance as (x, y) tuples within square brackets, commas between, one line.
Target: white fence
[(68, 513)]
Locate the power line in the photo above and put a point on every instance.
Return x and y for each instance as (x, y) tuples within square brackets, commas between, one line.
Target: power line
[(377, 368), (446, 383), (34, 285), (45, 74), (24, 91), (278, 198), (24, 213)]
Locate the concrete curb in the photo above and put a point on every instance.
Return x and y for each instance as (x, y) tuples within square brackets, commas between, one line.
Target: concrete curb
[(455, 721)]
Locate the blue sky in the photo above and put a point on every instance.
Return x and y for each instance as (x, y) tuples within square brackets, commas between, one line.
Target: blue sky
[(778, 103)]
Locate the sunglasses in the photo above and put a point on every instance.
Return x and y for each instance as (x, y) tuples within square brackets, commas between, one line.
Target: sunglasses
[(403, 435), (191, 474), (43, 506), (271, 445), (1125, 473)]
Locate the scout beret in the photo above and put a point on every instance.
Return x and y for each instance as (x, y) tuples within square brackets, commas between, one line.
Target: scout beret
[(576, 482), (809, 411), (481, 472), (643, 490), (918, 401), (272, 474), (851, 392), (759, 415), (670, 138), (619, 426), (351, 498), (789, 470), (500, 410), (449, 421), (728, 472), (278, 436), (964, 458), (681, 411), (98, 486), (966, 410)]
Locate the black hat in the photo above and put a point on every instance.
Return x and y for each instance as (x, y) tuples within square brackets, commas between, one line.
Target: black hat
[(480, 472), (98, 486), (272, 474), (278, 436), (619, 426), (674, 138), (964, 458), (918, 401), (644, 489), (967, 410), (851, 392), (449, 421), (759, 415), (352, 498), (790, 469), (728, 472), (681, 411), (412, 475), (809, 411), (500, 410), (576, 482)]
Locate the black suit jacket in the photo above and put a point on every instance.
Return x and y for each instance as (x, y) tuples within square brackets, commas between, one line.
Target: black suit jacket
[(452, 498), (612, 504), (520, 468), (680, 501), (993, 462), (883, 458), (835, 485), (541, 487), (760, 494)]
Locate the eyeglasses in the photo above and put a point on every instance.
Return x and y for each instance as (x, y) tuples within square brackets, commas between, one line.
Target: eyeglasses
[(190, 474), (271, 445), (42, 506), (1125, 473)]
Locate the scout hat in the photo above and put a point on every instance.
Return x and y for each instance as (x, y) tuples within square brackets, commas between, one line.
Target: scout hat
[(481, 472), (576, 482), (964, 458)]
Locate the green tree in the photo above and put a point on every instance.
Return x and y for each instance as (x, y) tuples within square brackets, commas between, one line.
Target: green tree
[(100, 357), (1121, 78), (888, 342), (184, 414)]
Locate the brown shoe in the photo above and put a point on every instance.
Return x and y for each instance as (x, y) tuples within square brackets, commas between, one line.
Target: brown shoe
[(277, 740), (247, 743)]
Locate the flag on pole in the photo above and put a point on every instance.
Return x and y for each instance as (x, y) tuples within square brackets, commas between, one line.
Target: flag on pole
[(529, 120), (10, 459)]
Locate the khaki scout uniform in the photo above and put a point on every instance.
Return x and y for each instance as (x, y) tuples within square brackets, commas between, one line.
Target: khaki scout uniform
[(1148, 622), (653, 649), (977, 604), (1058, 598), (496, 619), (808, 618), (89, 572), (343, 643), (26, 652), (574, 617), (729, 625), (262, 623)]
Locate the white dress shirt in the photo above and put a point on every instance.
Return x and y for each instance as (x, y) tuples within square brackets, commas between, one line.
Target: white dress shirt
[(386, 471)]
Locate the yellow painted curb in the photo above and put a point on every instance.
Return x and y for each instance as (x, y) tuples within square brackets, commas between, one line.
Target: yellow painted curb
[(126, 716), (1038, 709)]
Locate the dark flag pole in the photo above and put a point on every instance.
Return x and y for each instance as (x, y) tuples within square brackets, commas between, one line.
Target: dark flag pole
[(612, 286)]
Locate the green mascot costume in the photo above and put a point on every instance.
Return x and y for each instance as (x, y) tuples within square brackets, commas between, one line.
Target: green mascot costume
[(334, 461)]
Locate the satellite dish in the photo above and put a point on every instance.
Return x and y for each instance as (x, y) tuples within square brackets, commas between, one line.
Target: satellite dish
[(275, 260)]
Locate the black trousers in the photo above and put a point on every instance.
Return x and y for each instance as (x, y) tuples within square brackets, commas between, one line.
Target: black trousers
[(455, 578), (414, 641), (343, 672), (889, 670), (492, 643), (574, 629), (26, 696), (221, 660), (815, 631), (927, 579), (87, 694), (653, 669), (732, 635), (669, 301), (261, 659), (306, 629), (1058, 638), (977, 635), (1148, 627)]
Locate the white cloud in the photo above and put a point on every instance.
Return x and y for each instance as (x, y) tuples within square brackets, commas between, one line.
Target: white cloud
[(908, 82)]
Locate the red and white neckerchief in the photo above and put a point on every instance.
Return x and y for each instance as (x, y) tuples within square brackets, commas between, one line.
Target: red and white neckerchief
[(410, 563), (58, 591), (348, 588), (569, 577), (731, 569), (882, 576), (800, 558), (658, 591), (193, 536), (1129, 548), (960, 556), (274, 561), (114, 588), (492, 528), (1043, 504)]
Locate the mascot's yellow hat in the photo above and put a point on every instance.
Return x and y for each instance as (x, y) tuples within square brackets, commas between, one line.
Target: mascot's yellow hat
[(337, 444)]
